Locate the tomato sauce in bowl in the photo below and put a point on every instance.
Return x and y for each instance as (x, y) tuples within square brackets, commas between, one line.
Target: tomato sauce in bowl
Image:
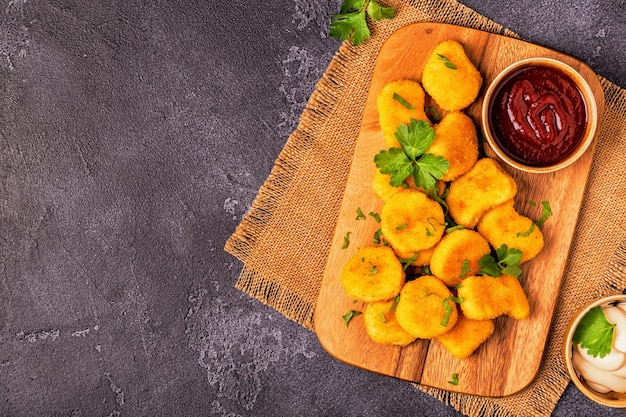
[(538, 114)]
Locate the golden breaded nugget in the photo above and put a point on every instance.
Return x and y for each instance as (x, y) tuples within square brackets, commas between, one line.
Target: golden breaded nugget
[(452, 88), (381, 186), (372, 274), (504, 225), (484, 297), (484, 186), (393, 112), (381, 324), (457, 141), (466, 336), (425, 309), (457, 255), (384, 190), (412, 222)]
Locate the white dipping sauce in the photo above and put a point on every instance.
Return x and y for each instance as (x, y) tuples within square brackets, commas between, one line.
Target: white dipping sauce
[(608, 373)]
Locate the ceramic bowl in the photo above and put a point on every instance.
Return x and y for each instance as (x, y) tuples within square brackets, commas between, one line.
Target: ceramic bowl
[(610, 399), (591, 109)]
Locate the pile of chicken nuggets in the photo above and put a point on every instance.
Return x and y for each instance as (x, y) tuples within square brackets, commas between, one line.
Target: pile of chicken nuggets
[(453, 302)]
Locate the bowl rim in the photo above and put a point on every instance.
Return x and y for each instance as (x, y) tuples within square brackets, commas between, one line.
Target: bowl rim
[(588, 96), (568, 345)]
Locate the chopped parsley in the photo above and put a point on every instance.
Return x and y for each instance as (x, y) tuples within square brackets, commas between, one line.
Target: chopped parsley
[(350, 315), (446, 62), (346, 241), (397, 97)]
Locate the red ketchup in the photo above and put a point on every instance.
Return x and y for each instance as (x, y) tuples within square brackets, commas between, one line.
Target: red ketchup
[(538, 116)]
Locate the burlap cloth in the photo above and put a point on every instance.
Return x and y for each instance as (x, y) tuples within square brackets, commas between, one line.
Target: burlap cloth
[(284, 239)]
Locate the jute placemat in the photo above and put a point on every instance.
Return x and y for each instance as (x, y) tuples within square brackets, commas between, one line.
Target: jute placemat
[(284, 239)]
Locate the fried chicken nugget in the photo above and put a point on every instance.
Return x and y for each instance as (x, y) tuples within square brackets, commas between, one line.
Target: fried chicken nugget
[(372, 274), (457, 141), (384, 190), (483, 187), (450, 78), (412, 222), (393, 112), (457, 255), (425, 309), (484, 297), (504, 225), (466, 336), (381, 324)]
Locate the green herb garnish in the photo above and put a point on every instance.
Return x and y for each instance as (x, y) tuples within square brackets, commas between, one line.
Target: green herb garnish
[(351, 23), (377, 235), (508, 262), (346, 240), (455, 379), (375, 216), (382, 317), (432, 113), (595, 333), (349, 315), (446, 62), (545, 213), (402, 226), (397, 97), (373, 270), (411, 159), (406, 262), (527, 232), (464, 268), (359, 214)]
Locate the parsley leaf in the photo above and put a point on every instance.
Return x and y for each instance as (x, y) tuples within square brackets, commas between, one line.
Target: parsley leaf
[(508, 263), (411, 159), (377, 12), (594, 333), (349, 315), (351, 23)]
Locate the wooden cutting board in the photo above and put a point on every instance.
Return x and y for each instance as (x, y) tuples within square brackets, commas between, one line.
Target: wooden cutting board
[(510, 359)]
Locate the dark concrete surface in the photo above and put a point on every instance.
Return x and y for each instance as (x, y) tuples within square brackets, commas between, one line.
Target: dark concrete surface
[(134, 135)]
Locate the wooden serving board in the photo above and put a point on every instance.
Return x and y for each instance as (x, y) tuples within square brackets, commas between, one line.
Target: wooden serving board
[(510, 358)]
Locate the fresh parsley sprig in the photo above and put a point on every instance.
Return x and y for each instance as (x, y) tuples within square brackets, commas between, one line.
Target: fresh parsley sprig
[(351, 23), (594, 333), (412, 159), (508, 263)]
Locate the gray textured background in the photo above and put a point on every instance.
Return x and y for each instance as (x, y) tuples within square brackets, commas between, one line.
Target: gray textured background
[(134, 135)]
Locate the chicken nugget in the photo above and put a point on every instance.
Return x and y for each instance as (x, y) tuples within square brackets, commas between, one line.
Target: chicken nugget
[(503, 225), (373, 274), (426, 309), (412, 222), (381, 324), (484, 186), (450, 78), (398, 102), (484, 297), (384, 190), (457, 255), (457, 141), (466, 336)]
